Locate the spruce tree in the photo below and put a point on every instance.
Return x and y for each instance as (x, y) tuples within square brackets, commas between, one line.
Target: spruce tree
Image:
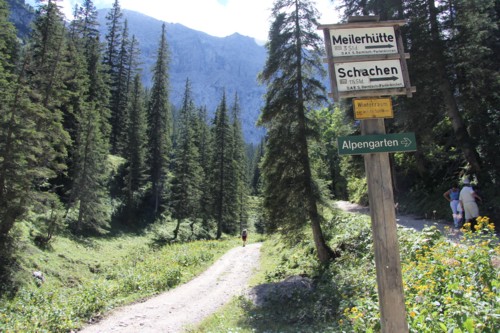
[(33, 141), (475, 46), (8, 42), (239, 167), (160, 124), (291, 73), (13, 176), (120, 92), (113, 37), (452, 49), (135, 150), (256, 179), (204, 142), (223, 201), (187, 172), (88, 156), (136, 173), (113, 59)]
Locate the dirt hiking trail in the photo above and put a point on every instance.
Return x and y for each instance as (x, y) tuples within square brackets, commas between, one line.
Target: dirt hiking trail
[(188, 304)]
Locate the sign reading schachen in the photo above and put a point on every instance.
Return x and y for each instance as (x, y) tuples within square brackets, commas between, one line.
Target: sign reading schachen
[(378, 74), (379, 143), (363, 41)]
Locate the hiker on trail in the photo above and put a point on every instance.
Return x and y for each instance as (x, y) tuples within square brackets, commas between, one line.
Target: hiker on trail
[(468, 203), (452, 196), (244, 235)]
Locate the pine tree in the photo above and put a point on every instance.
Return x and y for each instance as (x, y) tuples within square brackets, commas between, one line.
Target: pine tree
[(113, 59), (239, 167), (223, 201), (187, 173), (120, 91), (136, 175), (204, 143), (290, 72), (13, 180), (160, 123), (89, 191), (33, 142)]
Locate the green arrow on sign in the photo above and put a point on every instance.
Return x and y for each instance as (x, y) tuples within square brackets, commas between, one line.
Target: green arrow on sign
[(377, 143)]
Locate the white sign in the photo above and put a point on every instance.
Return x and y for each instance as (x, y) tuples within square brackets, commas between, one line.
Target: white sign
[(378, 74), (363, 41)]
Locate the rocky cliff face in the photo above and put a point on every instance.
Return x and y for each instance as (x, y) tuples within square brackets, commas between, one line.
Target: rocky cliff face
[(21, 16), (211, 64)]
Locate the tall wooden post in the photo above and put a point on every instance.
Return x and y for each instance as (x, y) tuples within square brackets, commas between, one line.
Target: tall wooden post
[(366, 59), (383, 216)]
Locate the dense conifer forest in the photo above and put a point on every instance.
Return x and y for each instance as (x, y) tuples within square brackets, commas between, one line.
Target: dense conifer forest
[(85, 147), (92, 145)]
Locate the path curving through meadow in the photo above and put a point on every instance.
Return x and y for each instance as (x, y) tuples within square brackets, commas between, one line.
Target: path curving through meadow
[(188, 304)]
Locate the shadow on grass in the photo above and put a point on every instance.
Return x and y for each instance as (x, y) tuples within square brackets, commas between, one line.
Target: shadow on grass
[(292, 305)]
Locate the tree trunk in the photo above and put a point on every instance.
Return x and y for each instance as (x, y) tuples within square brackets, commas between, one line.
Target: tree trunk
[(464, 141), (325, 253)]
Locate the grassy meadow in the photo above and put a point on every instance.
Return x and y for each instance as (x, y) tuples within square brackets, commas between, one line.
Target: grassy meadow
[(448, 287), (86, 277)]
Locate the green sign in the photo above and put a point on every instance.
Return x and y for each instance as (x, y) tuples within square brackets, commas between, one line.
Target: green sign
[(377, 143)]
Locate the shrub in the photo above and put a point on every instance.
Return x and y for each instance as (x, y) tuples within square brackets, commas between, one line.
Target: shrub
[(448, 287)]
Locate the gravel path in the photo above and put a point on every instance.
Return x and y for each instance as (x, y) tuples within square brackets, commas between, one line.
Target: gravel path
[(189, 303), (408, 221)]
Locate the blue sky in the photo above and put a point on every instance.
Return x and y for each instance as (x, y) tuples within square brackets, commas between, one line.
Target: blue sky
[(216, 17)]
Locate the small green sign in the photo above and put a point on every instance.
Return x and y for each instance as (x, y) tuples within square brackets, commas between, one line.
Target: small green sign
[(377, 143)]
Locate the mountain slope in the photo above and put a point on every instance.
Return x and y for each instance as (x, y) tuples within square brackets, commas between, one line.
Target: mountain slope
[(21, 16), (212, 64)]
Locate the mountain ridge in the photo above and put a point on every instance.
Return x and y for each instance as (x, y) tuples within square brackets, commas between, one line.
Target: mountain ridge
[(212, 65)]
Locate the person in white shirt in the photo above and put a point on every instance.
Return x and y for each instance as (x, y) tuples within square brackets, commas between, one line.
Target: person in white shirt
[(468, 202)]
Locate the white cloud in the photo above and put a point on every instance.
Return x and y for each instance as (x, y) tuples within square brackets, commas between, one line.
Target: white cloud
[(247, 17)]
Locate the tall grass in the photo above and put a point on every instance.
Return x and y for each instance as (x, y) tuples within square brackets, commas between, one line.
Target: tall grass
[(86, 278)]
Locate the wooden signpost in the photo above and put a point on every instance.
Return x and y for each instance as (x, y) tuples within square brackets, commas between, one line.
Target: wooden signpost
[(366, 59)]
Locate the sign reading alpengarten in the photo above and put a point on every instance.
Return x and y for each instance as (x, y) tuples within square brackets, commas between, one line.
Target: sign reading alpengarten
[(363, 41), (378, 143)]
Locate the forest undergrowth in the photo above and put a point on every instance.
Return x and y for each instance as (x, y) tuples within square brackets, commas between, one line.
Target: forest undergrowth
[(77, 280), (449, 287)]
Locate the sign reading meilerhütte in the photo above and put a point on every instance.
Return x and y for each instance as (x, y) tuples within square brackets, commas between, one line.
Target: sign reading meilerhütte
[(356, 41)]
